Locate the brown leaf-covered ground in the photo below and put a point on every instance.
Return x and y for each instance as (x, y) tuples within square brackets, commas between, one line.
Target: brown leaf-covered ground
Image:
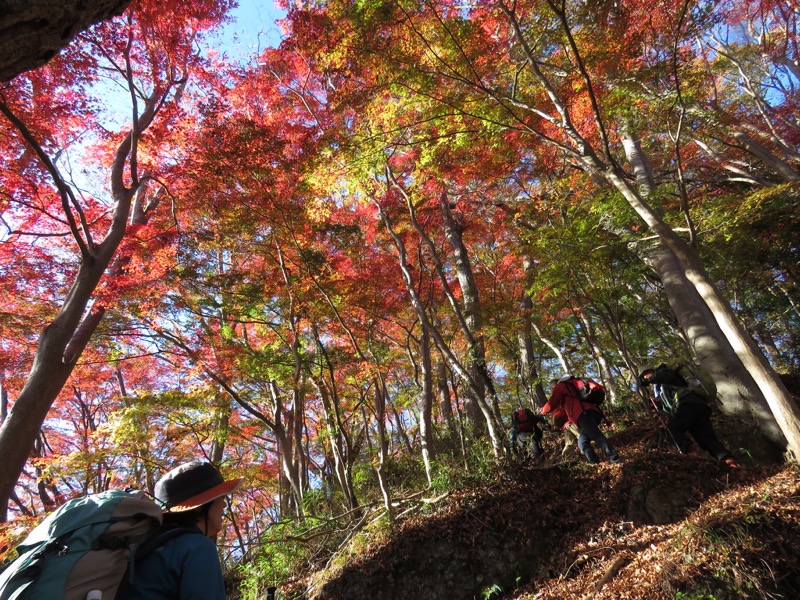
[(657, 526), (740, 537)]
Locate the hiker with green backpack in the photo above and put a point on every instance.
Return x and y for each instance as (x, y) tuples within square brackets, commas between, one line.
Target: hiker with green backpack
[(186, 567), (127, 545), (682, 393)]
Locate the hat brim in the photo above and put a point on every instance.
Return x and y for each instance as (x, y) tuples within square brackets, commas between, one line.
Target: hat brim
[(219, 490)]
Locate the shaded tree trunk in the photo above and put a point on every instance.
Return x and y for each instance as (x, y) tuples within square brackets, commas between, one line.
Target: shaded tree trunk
[(34, 32), (494, 425), (528, 374), (597, 351), (740, 395), (476, 361)]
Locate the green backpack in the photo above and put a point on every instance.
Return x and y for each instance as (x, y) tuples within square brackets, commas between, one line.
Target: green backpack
[(86, 544), (698, 380)]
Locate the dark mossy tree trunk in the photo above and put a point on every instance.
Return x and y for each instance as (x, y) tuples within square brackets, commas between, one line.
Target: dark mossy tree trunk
[(34, 31)]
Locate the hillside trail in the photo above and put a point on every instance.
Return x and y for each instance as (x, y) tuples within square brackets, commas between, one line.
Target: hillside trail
[(660, 525)]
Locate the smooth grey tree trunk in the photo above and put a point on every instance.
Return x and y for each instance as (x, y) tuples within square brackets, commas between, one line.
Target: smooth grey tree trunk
[(529, 376), (493, 424), (739, 394), (426, 411)]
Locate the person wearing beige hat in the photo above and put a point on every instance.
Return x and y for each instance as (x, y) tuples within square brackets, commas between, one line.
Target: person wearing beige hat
[(186, 566), (686, 412)]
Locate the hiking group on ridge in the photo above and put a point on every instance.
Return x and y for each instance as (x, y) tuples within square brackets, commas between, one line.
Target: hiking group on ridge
[(128, 546), (680, 397)]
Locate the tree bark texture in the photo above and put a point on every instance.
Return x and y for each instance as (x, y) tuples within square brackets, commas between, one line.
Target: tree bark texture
[(783, 407), (738, 392), (34, 31), (740, 395)]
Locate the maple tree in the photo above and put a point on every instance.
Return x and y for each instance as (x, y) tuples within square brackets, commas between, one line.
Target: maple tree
[(370, 245), (150, 53), (568, 98)]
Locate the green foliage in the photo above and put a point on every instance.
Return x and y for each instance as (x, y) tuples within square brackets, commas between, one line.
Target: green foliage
[(405, 471), (453, 471), (751, 247), (492, 592), (274, 562)]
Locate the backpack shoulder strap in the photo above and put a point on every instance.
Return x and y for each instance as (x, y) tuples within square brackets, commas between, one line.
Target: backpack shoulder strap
[(158, 539), (153, 543)]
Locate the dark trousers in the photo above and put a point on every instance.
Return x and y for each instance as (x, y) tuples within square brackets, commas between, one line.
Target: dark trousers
[(528, 442), (589, 424), (695, 418)]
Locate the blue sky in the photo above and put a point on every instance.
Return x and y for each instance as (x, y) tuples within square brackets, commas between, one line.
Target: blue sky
[(253, 28)]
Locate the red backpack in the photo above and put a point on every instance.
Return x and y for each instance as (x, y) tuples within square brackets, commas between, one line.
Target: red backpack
[(524, 419), (589, 390)]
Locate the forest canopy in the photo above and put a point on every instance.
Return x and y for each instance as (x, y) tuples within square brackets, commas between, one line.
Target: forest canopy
[(360, 251)]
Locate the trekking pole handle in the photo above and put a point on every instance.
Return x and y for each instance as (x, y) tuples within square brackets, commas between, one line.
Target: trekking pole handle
[(271, 592)]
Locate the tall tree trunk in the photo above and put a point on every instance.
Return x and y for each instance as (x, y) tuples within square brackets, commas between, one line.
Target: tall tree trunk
[(444, 401), (597, 351), (3, 401), (472, 313), (342, 465), (291, 451), (528, 375), (290, 469), (49, 371), (426, 412), (62, 341), (383, 444), (739, 393), (494, 425)]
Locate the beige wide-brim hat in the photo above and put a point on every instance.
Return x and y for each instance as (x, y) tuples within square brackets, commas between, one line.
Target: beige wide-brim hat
[(646, 369), (192, 485)]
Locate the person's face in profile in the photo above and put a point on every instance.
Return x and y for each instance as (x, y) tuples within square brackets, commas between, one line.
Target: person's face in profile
[(214, 522)]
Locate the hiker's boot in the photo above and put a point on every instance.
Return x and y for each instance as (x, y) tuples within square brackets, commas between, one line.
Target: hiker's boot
[(591, 456)]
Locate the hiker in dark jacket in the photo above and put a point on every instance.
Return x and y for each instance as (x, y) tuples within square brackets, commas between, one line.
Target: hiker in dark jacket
[(585, 415), (186, 567), (525, 434), (687, 411)]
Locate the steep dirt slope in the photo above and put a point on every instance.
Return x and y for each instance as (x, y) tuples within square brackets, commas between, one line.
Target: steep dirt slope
[(659, 525)]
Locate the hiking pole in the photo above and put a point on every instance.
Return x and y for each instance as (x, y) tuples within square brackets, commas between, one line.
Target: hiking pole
[(661, 419), (271, 592)]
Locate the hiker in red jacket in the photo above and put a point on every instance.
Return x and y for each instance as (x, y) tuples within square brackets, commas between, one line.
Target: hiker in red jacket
[(585, 415)]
